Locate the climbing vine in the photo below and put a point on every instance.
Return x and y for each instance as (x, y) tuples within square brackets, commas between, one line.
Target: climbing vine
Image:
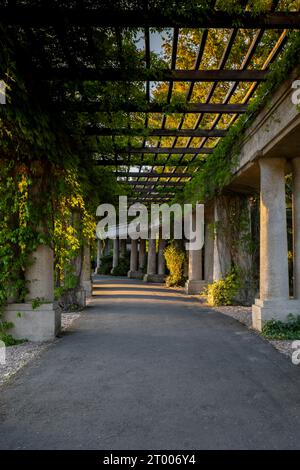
[(49, 184), (217, 170)]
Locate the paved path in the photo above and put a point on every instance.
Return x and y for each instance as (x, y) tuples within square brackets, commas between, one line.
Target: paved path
[(149, 368)]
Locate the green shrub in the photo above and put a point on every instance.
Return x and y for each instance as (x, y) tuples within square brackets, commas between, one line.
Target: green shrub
[(224, 291), (106, 264), (275, 329), (175, 259), (70, 283), (5, 337), (122, 268)]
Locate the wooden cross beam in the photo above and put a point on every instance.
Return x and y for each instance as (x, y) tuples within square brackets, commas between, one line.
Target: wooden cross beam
[(104, 131)]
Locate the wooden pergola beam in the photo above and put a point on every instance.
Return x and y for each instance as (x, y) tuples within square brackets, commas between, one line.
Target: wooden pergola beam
[(149, 193), (154, 183), (195, 18), (151, 174), (165, 150), (106, 131), (94, 107), (139, 75), (153, 163), (152, 199)]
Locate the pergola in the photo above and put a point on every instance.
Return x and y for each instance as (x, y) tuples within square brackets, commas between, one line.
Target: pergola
[(57, 44)]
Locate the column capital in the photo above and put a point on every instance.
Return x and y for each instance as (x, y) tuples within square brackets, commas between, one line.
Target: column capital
[(278, 162)]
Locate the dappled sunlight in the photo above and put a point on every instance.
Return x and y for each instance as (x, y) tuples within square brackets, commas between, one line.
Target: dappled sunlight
[(132, 292)]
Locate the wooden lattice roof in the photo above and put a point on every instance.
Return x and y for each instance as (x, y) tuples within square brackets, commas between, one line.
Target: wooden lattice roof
[(58, 42)]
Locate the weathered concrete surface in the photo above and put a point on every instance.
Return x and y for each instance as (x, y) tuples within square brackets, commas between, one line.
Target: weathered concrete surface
[(40, 273), (274, 133), (274, 279), (149, 368), (86, 277), (133, 258), (296, 226), (151, 261), (34, 324)]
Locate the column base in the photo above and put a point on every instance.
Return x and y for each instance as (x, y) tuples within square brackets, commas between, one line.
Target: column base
[(135, 275), (72, 298), (87, 287), (279, 309), (194, 287), (40, 324), (159, 278)]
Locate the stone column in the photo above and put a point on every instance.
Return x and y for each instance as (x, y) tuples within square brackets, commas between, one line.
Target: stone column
[(161, 259), (195, 282), (99, 254), (40, 274), (151, 262), (296, 226), (133, 273), (208, 245), (274, 286), (123, 248), (107, 247), (38, 318), (142, 254), (221, 248), (85, 277), (115, 253)]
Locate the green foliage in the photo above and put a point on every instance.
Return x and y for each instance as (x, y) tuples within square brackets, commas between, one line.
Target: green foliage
[(106, 264), (70, 282), (7, 338), (175, 259), (122, 268), (216, 171), (46, 174), (275, 329), (223, 292), (46, 170), (36, 303)]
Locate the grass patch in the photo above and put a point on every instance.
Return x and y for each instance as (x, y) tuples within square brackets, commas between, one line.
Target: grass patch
[(275, 329)]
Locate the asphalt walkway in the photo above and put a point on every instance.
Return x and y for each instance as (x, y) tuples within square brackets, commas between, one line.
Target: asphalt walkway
[(147, 367)]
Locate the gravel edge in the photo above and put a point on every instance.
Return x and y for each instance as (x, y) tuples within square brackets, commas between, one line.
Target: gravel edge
[(20, 355)]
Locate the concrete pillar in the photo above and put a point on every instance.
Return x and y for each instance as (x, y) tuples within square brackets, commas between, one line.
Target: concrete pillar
[(107, 247), (142, 254), (195, 282), (85, 278), (161, 258), (221, 248), (40, 274), (208, 245), (123, 248), (274, 286), (296, 226), (99, 255), (151, 262), (133, 273), (38, 318), (115, 253)]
